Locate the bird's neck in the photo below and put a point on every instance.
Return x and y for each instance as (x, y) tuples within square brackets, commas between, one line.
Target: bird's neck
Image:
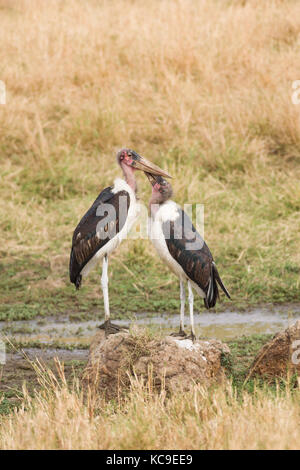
[(128, 173), (155, 202)]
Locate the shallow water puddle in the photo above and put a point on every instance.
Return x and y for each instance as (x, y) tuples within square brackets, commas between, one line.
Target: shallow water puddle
[(224, 325)]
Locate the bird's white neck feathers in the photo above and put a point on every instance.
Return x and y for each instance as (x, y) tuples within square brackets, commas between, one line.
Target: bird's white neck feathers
[(168, 211), (121, 185)]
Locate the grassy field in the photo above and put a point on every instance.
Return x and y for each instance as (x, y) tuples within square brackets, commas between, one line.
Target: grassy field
[(203, 89)]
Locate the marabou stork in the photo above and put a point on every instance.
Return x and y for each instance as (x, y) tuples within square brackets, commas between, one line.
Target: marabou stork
[(171, 231), (106, 224)]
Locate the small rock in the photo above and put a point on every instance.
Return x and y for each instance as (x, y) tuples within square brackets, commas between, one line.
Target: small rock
[(280, 356), (178, 364)]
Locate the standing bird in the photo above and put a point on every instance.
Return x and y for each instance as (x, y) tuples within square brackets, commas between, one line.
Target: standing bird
[(183, 249), (106, 224)]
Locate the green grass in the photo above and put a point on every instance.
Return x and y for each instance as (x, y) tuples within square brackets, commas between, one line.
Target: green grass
[(243, 351), (150, 288), (15, 345)]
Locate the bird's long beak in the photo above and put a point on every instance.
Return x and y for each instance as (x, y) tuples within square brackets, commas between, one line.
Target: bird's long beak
[(141, 163), (151, 178)]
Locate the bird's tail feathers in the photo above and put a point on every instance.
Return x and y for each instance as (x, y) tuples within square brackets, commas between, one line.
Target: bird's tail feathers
[(212, 293), (74, 269), (219, 280), (78, 281)]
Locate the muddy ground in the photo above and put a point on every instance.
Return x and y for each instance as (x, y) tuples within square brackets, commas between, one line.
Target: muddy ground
[(18, 369)]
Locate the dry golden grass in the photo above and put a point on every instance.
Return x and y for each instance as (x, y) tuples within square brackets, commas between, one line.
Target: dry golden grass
[(203, 88), (58, 417)]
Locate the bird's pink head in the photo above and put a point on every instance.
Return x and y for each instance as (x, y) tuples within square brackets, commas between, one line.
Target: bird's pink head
[(161, 189), (127, 157), (132, 159)]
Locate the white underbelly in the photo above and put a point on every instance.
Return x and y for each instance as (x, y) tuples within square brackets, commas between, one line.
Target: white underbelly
[(163, 252), (158, 239)]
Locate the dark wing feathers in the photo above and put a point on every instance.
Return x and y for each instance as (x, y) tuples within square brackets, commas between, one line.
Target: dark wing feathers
[(102, 198), (196, 263), (189, 249), (85, 242)]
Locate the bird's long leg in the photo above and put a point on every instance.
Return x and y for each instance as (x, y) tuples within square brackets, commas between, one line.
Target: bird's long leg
[(182, 306), (191, 305), (181, 332), (109, 327), (104, 283)]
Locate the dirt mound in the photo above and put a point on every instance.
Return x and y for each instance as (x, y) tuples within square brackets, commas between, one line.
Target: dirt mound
[(174, 363), (280, 356)]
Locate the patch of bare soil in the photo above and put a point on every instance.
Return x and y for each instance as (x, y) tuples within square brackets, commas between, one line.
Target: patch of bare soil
[(18, 368)]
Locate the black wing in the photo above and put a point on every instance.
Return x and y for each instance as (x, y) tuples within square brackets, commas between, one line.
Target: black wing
[(95, 229), (189, 249)]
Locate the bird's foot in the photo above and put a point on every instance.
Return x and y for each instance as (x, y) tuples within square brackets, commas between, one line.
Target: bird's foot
[(192, 336), (111, 328), (180, 334)]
